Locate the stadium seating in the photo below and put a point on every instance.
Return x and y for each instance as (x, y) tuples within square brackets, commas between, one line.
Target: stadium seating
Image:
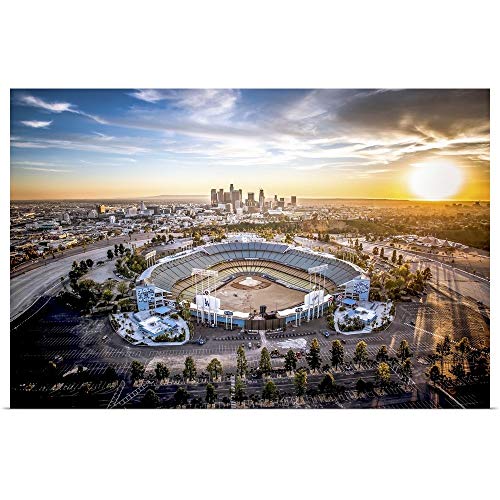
[(283, 263)]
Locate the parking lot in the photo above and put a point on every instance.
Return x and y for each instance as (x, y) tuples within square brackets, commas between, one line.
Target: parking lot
[(70, 340)]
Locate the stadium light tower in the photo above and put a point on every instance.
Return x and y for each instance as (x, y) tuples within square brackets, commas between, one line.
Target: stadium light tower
[(316, 278), (204, 280)]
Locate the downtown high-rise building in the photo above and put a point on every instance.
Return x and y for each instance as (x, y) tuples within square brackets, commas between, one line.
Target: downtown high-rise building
[(261, 199), (213, 197), (293, 201), (251, 200)]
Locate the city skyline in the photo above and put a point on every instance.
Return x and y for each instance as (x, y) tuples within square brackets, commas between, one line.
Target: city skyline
[(374, 144)]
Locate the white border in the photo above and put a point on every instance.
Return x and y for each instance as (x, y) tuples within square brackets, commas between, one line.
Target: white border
[(308, 454)]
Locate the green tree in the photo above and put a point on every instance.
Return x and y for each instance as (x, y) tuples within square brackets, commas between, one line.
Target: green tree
[(403, 352), (290, 361), (427, 274), (211, 395), (360, 387), (300, 382), (239, 390), (375, 250), (400, 260), (150, 399), (382, 354), (137, 371), (265, 362), (443, 349), (337, 354), (110, 374), (214, 369), (181, 397), (121, 249), (383, 374), (327, 385), (458, 370), (463, 348), (161, 372), (122, 287), (360, 353), (393, 258), (89, 263), (189, 371), (107, 295), (270, 392), (434, 374), (313, 356), (406, 370), (382, 252), (241, 363)]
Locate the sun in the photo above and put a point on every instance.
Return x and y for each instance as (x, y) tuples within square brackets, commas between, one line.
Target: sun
[(435, 180)]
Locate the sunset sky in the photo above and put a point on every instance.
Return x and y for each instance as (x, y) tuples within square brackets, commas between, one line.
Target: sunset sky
[(310, 143)]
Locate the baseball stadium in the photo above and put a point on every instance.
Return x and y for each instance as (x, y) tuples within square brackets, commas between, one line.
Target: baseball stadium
[(250, 283)]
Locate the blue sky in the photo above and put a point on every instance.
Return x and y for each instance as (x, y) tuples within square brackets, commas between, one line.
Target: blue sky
[(318, 143)]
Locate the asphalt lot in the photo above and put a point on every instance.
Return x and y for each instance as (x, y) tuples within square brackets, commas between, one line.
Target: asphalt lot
[(70, 340)]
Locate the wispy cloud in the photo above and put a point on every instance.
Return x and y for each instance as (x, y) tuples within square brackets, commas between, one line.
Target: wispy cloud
[(81, 142), (41, 169), (36, 123), (57, 107), (39, 166), (200, 104)]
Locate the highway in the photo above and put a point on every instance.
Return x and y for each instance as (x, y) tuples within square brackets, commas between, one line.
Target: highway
[(443, 275), (26, 288), (44, 277)]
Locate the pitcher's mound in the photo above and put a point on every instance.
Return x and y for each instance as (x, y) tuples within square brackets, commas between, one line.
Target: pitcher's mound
[(249, 281)]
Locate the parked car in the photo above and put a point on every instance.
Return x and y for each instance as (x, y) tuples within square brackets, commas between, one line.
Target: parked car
[(201, 341), (326, 333)]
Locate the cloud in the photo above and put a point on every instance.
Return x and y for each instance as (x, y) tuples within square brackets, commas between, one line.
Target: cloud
[(352, 131), (57, 107), (40, 169), (123, 145), (38, 166), (36, 124), (200, 104), (53, 107)]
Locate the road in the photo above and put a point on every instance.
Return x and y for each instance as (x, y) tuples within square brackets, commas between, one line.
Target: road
[(74, 252), (26, 288), (444, 276)]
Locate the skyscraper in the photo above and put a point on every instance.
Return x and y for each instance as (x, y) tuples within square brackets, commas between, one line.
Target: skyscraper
[(294, 201), (220, 196), (261, 198), (213, 197), (235, 199)]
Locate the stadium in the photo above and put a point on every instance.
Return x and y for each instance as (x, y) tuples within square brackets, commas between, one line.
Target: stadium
[(250, 283)]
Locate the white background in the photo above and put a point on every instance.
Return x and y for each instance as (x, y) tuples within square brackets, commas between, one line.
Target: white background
[(247, 454)]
